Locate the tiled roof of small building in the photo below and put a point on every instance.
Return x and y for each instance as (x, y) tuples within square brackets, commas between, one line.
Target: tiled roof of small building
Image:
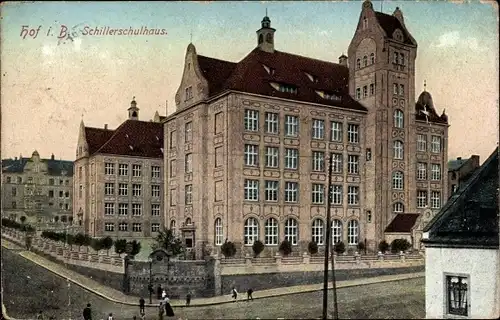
[(470, 217), (402, 223)]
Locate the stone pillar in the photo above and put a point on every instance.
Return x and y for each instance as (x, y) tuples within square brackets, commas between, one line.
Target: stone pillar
[(277, 258), (357, 257), (380, 256), (248, 259), (306, 258), (402, 256), (217, 275)]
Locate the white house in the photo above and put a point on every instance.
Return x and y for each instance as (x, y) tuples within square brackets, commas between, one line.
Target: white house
[(462, 271)]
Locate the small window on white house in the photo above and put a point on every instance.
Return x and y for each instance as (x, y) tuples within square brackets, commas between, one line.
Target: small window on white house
[(457, 288)]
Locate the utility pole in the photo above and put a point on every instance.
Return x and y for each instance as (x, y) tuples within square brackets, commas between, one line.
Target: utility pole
[(328, 239)]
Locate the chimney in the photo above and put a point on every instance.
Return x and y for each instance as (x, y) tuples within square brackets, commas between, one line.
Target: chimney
[(52, 157), (459, 158), (105, 126), (15, 158), (343, 60)]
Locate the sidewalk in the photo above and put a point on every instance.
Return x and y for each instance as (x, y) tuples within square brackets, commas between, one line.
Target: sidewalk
[(119, 297)]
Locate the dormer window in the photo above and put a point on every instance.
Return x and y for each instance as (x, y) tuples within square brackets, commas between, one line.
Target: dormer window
[(398, 35), (328, 96), (287, 88), (189, 93), (365, 23), (395, 58), (402, 59), (372, 58), (311, 77), (269, 70)]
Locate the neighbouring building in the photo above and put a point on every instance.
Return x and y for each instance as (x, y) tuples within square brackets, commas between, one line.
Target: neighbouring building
[(118, 182), (459, 171), (247, 148), (39, 189), (462, 270)]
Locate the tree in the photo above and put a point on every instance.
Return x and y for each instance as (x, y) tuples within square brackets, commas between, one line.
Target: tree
[(312, 247), (120, 246), (136, 247), (285, 247), (257, 248), (23, 219), (96, 244), (361, 247), (107, 243), (383, 246), (228, 249), (339, 247), (80, 239), (398, 245), (166, 239)]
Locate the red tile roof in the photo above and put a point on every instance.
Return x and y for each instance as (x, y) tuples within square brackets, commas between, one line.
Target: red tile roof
[(131, 138), (402, 223), (249, 75), (390, 23)]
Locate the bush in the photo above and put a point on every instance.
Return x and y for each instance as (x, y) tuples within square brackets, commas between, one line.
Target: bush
[(79, 239), (23, 219), (120, 246), (398, 245), (28, 228), (361, 246), (136, 247), (383, 246), (96, 244), (312, 247), (257, 248), (228, 249), (166, 239), (107, 243), (285, 247), (339, 247), (10, 224)]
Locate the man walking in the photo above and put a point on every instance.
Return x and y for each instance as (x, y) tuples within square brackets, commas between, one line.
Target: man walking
[(142, 304), (249, 294), (234, 294), (159, 290), (87, 313), (188, 299)]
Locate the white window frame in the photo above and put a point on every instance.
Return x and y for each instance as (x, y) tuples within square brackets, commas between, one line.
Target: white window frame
[(109, 168), (421, 142), (271, 190), (435, 200), (123, 226), (291, 158), (292, 231), (336, 231), (109, 189), (109, 226), (395, 88), (291, 126), (336, 131), (123, 189), (188, 131), (122, 209), (188, 163), (398, 150), (155, 191), (136, 170), (291, 192), (398, 207), (395, 59), (272, 157), (188, 194), (352, 232), (337, 163), (272, 123), (123, 169), (435, 171), (318, 231), (155, 172), (399, 118), (136, 190), (436, 144), (136, 227), (353, 195), (463, 310), (155, 227), (401, 89), (136, 209), (353, 133), (318, 193), (318, 129), (358, 93), (271, 232), (218, 232), (398, 180), (155, 210), (251, 120), (109, 208), (421, 171), (353, 164), (318, 163), (251, 231), (372, 58), (251, 190), (337, 194), (372, 89), (251, 155), (422, 200)]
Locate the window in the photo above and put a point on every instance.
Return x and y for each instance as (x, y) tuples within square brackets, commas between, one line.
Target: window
[(336, 131), (287, 88), (51, 181), (272, 157), (61, 194), (291, 191), (136, 190), (398, 207), (188, 132), (66, 194), (358, 63), (353, 195), (219, 232), (109, 168), (137, 227), (336, 231), (122, 209), (421, 199), (51, 193), (337, 194), (136, 170), (436, 144), (108, 226), (401, 89), (398, 150), (365, 23), (155, 191), (271, 232), (155, 172), (188, 194), (358, 93), (352, 232), (14, 192), (398, 119), (14, 205), (435, 200), (291, 126), (251, 120), (173, 168), (155, 227), (398, 180), (291, 231), (19, 180), (421, 171), (123, 189), (353, 133), (435, 171), (395, 58), (365, 61), (173, 197), (337, 165), (109, 208), (155, 210), (188, 163), (136, 209), (189, 94), (372, 89), (318, 129), (272, 188), (109, 189), (291, 158), (401, 59), (395, 88), (353, 164), (454, 188), (122, 226), (123, 169), (317, 231), (421, 142), (251, 231), (457, 295), (80, 191), (365, 91), (173, 139), (272, 123), (251, 190), (251, 155), (318, 193), (318, 161), (372, 58)]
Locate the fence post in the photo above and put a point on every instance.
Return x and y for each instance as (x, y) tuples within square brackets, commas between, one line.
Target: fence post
[(402, 256), (277, 258), (248, 259), (380, 256), (306, 258)]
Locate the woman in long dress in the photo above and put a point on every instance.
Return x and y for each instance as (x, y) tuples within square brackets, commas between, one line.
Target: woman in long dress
[(168, 308)]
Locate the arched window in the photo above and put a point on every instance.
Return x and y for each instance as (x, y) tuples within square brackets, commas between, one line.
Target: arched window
[(336, 231), (172, 226), (398, 180), (188, 221), (398, 150), (398, 119), (271, 232), (292, 231), (402, 59), (365, 61), (219, 232), (398, 207), (251, 232), (261, 38), (358, 63), (269, 38), (372, 58), (317, 231), (352, 232)]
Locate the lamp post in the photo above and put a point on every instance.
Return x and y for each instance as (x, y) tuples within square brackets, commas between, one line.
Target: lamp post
[(150, 286)]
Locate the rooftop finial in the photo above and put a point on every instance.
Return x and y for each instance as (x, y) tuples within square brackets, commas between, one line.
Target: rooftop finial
[(191, 36), (425, 85), (133, 98), (266, 12)]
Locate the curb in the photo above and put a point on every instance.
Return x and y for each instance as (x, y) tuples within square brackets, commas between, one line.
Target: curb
[(177, 304), (5, 315)]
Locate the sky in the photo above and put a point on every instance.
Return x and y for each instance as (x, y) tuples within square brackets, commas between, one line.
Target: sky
[(49, 85)]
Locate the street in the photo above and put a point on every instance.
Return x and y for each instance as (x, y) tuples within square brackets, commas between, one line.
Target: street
[(29, 288)]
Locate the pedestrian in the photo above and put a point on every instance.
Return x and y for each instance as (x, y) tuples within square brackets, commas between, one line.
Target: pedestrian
[(161, 310), (168, 308), (87, 313), (110, 316), (234, 293), (142, 304), (164, 294), (188, 299), (249, 294), (159, 290)]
